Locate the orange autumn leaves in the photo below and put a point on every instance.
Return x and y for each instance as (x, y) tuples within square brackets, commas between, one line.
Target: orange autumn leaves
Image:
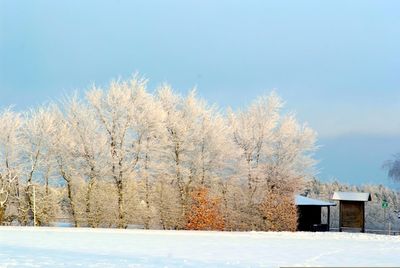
[(205, 212), (278, 210)]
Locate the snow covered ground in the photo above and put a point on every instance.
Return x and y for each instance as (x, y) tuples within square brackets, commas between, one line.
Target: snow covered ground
[(68, 247)]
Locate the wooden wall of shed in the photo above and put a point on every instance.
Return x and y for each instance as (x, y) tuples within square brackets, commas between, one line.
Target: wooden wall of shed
[(351, 215)]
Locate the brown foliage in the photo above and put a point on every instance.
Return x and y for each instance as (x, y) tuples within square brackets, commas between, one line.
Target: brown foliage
[(2, 214), (279, 211), (205, 212)]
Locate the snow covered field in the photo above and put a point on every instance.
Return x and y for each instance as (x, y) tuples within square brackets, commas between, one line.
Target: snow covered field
[(68, 247)]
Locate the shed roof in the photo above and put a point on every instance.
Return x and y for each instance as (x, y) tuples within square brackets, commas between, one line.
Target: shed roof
[(306, 201), (351, 196)]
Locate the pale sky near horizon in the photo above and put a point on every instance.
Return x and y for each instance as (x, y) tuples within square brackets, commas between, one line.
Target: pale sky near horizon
[(335, 63)]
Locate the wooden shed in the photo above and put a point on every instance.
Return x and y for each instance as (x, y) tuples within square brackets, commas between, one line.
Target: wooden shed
[(309, 214), (351, 210)]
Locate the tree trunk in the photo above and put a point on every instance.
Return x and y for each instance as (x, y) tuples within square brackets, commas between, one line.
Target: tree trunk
[(87, 199), (121, 212), (161, 206), (73, 212), (147, 200), (147, 187)]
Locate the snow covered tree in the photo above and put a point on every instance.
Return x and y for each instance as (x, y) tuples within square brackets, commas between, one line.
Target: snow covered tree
[(38, 131), (213, 149), (150, 165), (67, 167), (10, 159), (121, 111), (275, 154), (179, 145), (253, 134), (196, 149), (87, 149)]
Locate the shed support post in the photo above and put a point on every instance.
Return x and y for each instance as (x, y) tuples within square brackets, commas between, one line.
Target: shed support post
[(329, 217), (340, 216), (363, 218)]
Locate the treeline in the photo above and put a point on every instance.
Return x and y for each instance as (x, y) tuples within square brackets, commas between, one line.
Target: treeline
[(124, 156), (376, 217)]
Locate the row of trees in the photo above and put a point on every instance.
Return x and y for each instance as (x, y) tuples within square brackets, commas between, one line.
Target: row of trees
[(122, 155)]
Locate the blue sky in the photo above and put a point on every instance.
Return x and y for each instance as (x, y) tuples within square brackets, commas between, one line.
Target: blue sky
[(335, 63)]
